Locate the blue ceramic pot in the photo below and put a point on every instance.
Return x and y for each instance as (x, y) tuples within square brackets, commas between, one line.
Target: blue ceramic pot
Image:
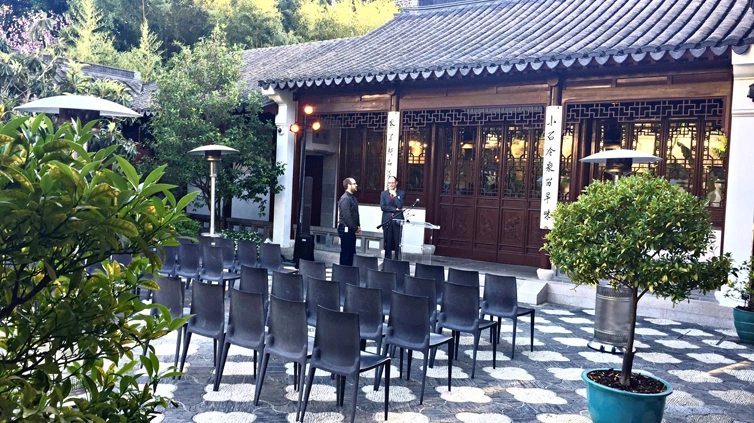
[(744, 322), (608, 405)]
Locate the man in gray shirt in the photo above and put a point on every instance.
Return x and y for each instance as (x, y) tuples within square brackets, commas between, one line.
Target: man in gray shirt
[(348, 222)]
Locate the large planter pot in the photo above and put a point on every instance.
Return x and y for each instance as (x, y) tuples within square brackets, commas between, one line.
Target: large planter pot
[(744, 323), (608, 405)]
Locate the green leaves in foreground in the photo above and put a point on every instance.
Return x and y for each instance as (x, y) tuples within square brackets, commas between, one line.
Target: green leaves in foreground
[(71, 342)]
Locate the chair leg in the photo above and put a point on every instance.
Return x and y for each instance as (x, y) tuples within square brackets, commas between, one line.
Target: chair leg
[(221, 366), (532, 331), (186, 341), (378, 371), (178, 345), (309, 383), (424, 376), (494, 329), (458, 342), (400, 368), (342, 390), (476, 348), (408, 366), (513, 338), (255, 364), (387, 385), (295, 377), (450, 362), (378, 375), (214, 352), (300, 389), (260, 379), (499, 327), (354, 396)]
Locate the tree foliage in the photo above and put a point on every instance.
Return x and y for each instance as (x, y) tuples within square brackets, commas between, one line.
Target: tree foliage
[(60, 327), (322, 21), (641, 233), (87, 40), (200, 103)]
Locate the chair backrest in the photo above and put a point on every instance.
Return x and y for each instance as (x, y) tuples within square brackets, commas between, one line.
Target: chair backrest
[(384, 281), (170, 295), (460, 303), (323, 293), (188, 257), (431, 271), (247, 253), (204, 241), (212, 267), (123, 259), (500, 293), (287, 286), (337, 340), (345, 275), (400, 268), (364, 263), (229, 251), (269, 256), (246, 316), (208, 306), (170, 259), (367, 302), (254, 279), (463, 277), (408, 319), (314, 269), (421, 287), (287, 328)]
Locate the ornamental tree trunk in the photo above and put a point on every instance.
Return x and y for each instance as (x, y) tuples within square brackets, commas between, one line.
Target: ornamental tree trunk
[(628, 354)]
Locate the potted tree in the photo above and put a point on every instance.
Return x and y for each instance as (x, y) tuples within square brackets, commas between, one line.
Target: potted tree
[(648, 236), (742, 288)]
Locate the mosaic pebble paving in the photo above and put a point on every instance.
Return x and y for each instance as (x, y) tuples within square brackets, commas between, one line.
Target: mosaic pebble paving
[(711, 372)]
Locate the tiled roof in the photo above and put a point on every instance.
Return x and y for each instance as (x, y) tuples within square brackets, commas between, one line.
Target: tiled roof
[(503, 35)]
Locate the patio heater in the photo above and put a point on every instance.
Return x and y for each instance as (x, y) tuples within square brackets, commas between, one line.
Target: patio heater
[(213, 153), (77, 106), (612, 307)]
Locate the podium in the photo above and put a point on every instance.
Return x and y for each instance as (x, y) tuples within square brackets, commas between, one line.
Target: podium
[(412, 238)]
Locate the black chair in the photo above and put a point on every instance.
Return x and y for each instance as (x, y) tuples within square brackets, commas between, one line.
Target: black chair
[(287, 338), (430, 271), (314, 269), (245, 327), (345, 275), (188, 262), (213, 270), (123, 259), (229, 252), (323, 293), (171, 296), (270, 258), (500, 299), (169, 261), (287, 286), (460, 313), (254, 279), (364, 263), (336, 350), (384, 281), (400, 268), (367, 303), (204, 242), (247, 254), (208, 310), (408, 328), (463, 277), (421, 287)]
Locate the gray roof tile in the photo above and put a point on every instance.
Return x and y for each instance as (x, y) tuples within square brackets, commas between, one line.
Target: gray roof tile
[(501, 35)]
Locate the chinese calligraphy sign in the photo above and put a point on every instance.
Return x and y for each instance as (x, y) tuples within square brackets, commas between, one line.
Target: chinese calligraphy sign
[(392, 134), (551, 165)]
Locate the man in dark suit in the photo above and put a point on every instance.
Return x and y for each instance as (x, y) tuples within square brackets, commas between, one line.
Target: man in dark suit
[(349, 223), (391, 203)]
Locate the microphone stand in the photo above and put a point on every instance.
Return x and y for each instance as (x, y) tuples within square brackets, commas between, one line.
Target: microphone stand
[(392, 216)]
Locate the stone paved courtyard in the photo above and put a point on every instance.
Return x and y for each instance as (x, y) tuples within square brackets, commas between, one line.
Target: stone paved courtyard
[(711, 373)]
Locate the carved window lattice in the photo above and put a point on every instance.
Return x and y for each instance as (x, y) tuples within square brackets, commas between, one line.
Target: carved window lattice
[(714, 149), (643, 110), (525, 116), (566, 161), (372, 120)]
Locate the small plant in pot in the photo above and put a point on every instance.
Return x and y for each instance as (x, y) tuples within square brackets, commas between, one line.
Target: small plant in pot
[(742, 288), (644, 234)]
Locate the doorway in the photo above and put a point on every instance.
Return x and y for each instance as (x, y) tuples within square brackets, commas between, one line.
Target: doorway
[(314, 168)]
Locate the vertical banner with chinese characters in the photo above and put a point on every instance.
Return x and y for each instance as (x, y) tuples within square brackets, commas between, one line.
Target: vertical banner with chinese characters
[(391, 152), (551, 164)]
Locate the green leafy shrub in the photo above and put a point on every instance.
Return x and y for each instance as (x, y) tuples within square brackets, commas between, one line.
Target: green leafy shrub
[(242, 236), (641, 233), (742, 286), (189, 227), (60, 209)]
